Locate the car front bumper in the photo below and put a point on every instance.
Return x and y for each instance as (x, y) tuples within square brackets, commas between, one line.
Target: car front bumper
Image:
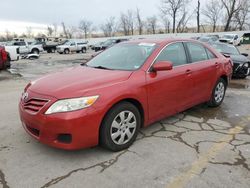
[(69, 130), (241, 71)]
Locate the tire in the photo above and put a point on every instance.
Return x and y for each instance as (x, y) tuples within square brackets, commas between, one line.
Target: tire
[(35, 51), (124, 132), (218, 93), (66, 51), (84, 50), (7, 64)]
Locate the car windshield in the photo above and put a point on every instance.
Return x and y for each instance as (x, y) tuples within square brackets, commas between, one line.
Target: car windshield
[(228, 36), (227, 49), (108, 42), (68, 43), (123, 56), (204, 39)]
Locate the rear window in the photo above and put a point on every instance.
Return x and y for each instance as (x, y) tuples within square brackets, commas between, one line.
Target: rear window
[(210, 54), (197, 52)]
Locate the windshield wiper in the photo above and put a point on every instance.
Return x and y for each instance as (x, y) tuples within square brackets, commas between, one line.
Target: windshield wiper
[(102, 67)]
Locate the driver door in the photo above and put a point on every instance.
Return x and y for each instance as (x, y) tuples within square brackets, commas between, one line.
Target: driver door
[(73, 47), (169, 92)]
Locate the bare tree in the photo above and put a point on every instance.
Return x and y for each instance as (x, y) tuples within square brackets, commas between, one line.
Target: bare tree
[(50, 30), (29, 31), (71, 31), (172, 8), (198, 16), (64, 30), (7, 35), (85, 25), (55, 28), (212, 12), (124, 24), (127, 22), (152, 24), (140, 23), (130, 17), (108, 27), (241, 17), (68, 31), (166, 23), (232, 7), (182, 24)]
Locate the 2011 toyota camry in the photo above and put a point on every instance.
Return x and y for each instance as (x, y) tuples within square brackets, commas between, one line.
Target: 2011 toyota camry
[(129, 86)]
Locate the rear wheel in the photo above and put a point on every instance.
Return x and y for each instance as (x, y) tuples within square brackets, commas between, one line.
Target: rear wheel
[(66, 51), (120, 127), (218, 93), (35, 51)]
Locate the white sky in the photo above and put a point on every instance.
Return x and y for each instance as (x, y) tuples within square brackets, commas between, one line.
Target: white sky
[(17, 15)]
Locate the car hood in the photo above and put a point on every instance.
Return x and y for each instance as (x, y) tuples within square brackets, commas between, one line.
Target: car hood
[(75, 82), (239, 58)]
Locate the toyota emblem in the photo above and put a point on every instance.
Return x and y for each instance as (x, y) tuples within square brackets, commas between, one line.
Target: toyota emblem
[(25, 97)]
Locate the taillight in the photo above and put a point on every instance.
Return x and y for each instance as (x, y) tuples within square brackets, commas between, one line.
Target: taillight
[(4, 55)]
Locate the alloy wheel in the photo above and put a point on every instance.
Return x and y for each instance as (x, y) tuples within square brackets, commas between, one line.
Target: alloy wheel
[(219, 92), (123, 127)]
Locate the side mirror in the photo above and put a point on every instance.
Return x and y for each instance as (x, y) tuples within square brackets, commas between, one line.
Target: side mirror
[(245, 54), (226, 55), (162, 66)]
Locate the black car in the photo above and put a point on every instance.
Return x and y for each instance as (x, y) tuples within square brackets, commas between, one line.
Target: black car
[(108, 43), (209, 38), (241, 64)]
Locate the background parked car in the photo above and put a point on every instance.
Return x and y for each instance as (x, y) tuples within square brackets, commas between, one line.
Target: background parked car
[(72, 46), (4, 60), (25, 48), (233, 39), (50, 43), (209, 38), (108, 43), (241, 64), (12, 52)]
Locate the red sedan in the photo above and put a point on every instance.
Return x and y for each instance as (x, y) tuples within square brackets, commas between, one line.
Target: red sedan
[(4, 60), (124, 88)]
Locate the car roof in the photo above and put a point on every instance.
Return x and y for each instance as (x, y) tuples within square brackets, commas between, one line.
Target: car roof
[(160, 41)]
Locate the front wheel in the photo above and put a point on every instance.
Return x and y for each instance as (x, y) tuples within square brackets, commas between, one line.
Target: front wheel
[(218, 93), (84, 50), (120, 127)]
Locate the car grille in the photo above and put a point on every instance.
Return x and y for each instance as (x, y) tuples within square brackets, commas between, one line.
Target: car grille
[(34, 105)]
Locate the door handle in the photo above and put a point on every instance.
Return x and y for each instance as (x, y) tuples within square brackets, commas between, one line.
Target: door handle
[(216, 64)]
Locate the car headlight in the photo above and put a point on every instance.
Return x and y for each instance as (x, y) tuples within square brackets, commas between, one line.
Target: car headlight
[(245, 65), (67, 105)]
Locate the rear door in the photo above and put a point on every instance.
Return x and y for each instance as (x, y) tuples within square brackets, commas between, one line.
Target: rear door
[(204, 65), (169, 91)]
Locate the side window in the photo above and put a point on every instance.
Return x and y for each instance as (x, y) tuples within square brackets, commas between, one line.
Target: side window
[(210, 54), (174, 53), (73, 44), (197, 52), (22, 44)]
